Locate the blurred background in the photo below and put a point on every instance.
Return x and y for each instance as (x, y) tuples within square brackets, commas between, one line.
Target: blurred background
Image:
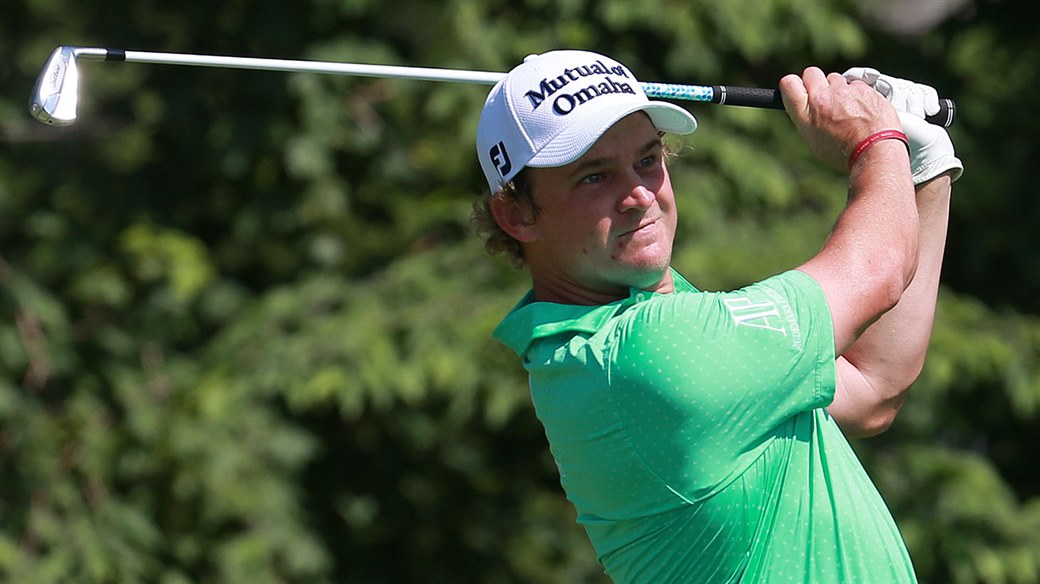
[(245, 324)]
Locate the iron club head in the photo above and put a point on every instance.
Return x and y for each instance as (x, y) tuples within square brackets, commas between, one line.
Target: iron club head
[(54, 99)]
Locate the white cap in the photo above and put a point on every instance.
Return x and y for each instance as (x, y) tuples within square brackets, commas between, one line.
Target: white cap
[(550, 109)]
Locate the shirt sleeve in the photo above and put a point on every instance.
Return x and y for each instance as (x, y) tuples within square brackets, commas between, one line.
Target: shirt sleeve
[(721, 373)]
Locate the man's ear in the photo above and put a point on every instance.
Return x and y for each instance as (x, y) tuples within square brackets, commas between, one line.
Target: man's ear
[(515, 219)]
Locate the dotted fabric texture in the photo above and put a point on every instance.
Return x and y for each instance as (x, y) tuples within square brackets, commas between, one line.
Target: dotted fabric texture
[(690, 435)]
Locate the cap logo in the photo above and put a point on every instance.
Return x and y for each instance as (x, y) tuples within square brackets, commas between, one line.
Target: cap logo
[(500, 158), (565, 103)]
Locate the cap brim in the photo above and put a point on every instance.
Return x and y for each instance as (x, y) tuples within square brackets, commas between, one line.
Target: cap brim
[(576, 139)]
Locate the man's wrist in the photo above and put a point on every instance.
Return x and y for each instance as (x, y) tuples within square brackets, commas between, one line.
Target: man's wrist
[(874, 138)]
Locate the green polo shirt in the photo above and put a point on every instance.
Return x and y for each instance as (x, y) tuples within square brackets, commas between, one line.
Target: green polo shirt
[(690, 435)]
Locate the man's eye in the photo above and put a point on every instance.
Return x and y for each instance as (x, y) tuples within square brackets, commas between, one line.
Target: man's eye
[(592, 178), (648, 161)]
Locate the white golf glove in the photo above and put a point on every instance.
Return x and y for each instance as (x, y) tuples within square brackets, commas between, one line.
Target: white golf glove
[(931, 150), (906, 96)]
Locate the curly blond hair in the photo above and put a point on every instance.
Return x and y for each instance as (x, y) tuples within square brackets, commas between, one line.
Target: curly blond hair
[(496, 240)]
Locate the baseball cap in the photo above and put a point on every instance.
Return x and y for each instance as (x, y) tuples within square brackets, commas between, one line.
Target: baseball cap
[(549, 110)]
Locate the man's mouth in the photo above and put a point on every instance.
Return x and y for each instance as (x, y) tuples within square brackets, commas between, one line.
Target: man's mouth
[(642, 226)]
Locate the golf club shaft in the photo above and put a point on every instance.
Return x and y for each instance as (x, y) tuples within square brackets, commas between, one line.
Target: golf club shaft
[(715, 94), (261, 64)]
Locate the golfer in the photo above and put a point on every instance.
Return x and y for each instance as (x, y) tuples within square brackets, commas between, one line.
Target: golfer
[(701, 436)]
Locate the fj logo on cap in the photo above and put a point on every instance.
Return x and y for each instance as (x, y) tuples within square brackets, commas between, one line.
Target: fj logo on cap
[(500, 158)]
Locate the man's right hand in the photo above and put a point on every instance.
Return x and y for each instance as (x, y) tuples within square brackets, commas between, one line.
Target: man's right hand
[(833, 115)]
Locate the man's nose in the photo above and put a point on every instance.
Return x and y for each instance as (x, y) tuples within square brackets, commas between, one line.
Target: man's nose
[(639, 195)]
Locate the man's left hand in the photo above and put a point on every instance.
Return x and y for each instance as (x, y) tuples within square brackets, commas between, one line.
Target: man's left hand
[(905, 95), (931, 150)]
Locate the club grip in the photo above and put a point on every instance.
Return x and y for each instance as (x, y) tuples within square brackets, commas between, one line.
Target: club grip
[(944, 117), (770, 99), (747, 96)]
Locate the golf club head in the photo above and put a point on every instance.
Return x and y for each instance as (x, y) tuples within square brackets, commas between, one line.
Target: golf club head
[(54, 99)]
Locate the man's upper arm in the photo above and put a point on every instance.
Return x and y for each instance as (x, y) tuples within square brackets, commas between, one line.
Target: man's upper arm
[(859, 407), (856, 295)]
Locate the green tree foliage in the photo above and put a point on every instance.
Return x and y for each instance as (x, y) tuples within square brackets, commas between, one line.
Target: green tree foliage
[(245, 328)]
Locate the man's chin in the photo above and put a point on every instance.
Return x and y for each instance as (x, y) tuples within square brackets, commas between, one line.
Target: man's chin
[(648, 277)]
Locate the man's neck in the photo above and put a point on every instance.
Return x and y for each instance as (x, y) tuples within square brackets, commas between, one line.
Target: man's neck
[(548, 289)]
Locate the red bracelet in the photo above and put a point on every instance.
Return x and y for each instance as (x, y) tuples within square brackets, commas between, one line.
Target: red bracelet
[(874, 139)]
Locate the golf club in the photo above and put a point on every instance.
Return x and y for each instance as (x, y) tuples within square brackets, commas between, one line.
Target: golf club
[(56, 95)]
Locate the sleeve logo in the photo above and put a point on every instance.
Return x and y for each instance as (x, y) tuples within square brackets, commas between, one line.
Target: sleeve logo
[(747, 312), (766, 315)]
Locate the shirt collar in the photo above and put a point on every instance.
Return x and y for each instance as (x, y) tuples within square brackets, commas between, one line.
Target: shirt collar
[(529, 320)]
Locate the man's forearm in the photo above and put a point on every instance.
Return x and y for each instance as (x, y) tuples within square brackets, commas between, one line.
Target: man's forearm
[(889, 355)]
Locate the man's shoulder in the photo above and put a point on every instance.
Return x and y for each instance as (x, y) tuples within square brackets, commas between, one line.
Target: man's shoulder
[(529, 321)]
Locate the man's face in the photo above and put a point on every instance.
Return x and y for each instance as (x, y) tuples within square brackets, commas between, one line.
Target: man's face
[(606, 221)]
